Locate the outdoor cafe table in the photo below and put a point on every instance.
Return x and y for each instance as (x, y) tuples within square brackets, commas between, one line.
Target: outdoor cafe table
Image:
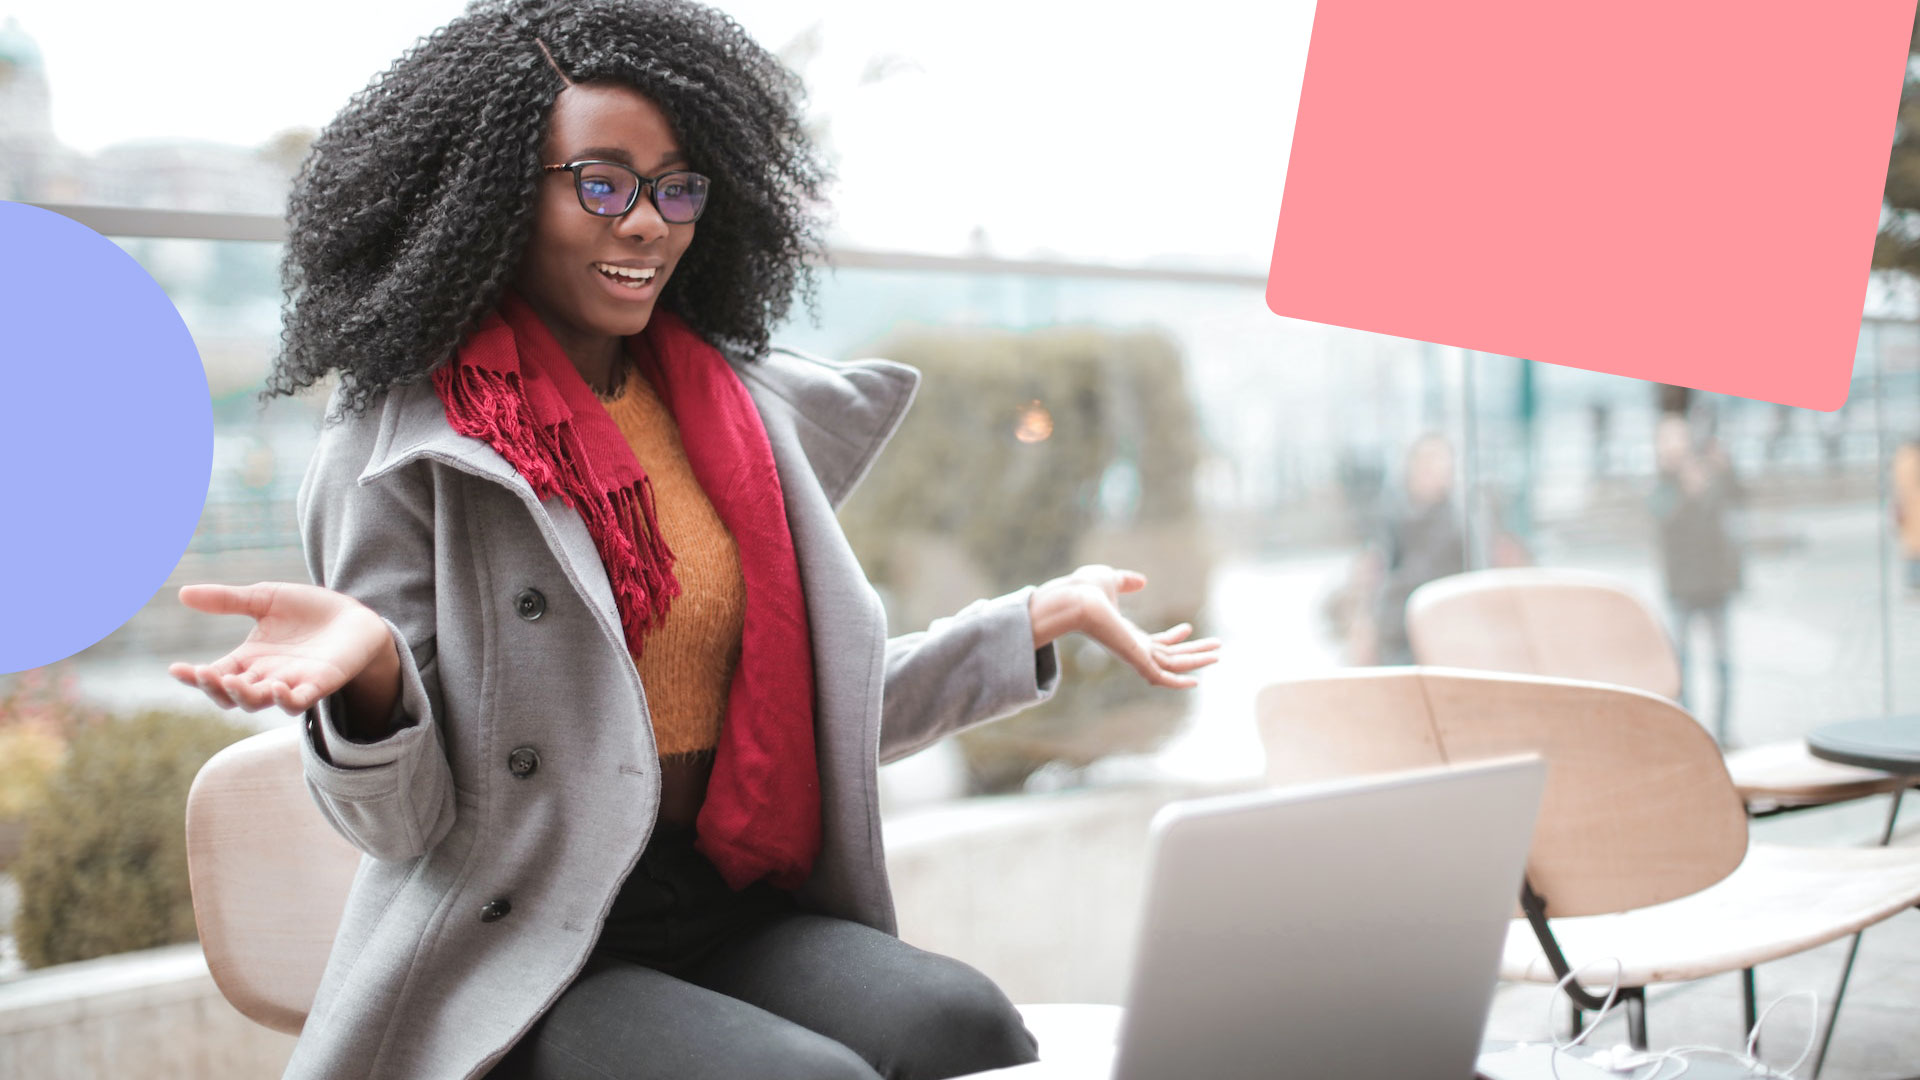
[(1888, 743)]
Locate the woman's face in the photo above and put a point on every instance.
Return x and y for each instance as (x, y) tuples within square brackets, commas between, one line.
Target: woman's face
[(563, 273)]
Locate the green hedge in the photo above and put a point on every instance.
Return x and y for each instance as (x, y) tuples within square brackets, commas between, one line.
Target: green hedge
[(104, 867), (970, 500)]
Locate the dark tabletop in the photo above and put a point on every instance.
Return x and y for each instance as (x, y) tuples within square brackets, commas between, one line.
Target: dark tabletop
[(1891, 743)]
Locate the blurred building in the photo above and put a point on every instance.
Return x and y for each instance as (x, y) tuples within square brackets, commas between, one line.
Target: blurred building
[(181, 174), (174, 174), (33, 165)]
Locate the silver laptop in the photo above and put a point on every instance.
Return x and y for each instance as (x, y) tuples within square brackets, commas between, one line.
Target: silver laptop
[(1350, 929)]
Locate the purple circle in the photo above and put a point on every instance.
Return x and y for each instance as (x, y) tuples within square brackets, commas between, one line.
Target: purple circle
[(106, 436)]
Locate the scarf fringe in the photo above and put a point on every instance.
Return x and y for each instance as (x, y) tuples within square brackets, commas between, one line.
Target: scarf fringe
[(492, 407)]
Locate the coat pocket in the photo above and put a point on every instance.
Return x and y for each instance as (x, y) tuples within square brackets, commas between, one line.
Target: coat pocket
[(394, 809)]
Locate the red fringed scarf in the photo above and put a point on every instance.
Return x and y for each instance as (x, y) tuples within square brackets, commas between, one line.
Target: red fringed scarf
[(513, 386)]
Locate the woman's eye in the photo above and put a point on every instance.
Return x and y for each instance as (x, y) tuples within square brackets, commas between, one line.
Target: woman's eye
[(673, 190), (597, 187)]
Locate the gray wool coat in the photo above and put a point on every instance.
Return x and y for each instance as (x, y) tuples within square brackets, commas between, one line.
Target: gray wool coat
[(500, 821)]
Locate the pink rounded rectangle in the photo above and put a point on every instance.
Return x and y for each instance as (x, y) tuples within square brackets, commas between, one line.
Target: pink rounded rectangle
[(1682, 190)]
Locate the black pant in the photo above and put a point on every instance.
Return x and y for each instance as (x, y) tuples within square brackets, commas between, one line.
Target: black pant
[(1715, 613), (693, 981)]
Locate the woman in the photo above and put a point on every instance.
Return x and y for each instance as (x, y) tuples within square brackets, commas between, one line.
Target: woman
[(1422, 542), (1693, 501), (1906, 508), (595, 682)]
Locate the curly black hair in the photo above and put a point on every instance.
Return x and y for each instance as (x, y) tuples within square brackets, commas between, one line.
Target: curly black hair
[(407, 219)]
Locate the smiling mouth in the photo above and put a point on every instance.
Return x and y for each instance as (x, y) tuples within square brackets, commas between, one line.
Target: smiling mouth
[(627, 276)]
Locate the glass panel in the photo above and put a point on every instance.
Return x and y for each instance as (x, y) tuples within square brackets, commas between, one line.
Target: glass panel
[(1257, 468), (1259, 491), (1892, 349), (1753, 531)]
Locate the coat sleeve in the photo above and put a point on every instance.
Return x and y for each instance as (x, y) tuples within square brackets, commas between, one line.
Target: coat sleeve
[(392, 798), (965, 669)]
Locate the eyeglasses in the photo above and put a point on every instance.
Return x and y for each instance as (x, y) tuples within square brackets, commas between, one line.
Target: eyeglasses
[(610, 189)]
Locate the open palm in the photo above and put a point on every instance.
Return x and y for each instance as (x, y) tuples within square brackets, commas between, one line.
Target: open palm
[(1163, 659), (307, 642)]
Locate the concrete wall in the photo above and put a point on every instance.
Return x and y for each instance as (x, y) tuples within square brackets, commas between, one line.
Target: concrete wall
[(154, 1014)]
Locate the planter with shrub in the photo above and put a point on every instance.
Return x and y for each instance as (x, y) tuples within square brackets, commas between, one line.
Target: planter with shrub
[(1027, 454), (103, 868)]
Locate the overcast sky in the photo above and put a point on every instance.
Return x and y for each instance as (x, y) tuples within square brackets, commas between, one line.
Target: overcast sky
[(1055, 125)]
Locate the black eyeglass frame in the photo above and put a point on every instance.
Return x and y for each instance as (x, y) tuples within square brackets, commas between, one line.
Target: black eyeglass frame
[(651, 184)]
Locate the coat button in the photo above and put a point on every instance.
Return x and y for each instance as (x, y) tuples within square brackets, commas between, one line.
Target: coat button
[(530, 604), (523, 761), (495, 909)]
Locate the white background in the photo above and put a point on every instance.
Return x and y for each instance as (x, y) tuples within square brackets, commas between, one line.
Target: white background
[(1052, 125)]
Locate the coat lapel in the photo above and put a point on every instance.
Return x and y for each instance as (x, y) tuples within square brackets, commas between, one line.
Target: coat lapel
[(414, 425)]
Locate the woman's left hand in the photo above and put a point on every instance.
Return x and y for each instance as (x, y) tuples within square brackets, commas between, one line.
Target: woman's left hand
[(1088, 601)]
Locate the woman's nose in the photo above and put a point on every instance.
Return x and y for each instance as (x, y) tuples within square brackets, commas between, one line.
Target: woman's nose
[(643, 221)]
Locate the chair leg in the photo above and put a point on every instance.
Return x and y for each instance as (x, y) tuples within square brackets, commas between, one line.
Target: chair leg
[(1833, 1014), (1579, 1021), (1853, 950), (1636, 999), (1893, 815), (1750, 1003)]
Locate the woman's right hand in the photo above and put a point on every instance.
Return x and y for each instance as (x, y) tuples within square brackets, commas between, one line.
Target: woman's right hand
[(307, 642)]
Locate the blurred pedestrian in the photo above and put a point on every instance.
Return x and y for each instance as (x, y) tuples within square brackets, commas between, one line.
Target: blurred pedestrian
[(1601, 415), (1906, 507), (1422, 540), (1692, 502)]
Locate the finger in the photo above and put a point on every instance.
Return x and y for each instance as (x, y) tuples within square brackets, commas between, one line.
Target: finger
[(258, 689), (1131, 644), (1173, 633), (1125, 641), (293, 700), (1176, 682), (1203, 645), (191, 674), (1187, 651), (252, 600), (309, 679), (283, 695), (209, 682), (1132, 581), (1183, 664), (230, 664), (248, 694), (308, 683), (263, 690)]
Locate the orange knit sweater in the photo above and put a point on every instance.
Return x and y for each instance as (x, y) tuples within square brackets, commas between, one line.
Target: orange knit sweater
[(688, 662)]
